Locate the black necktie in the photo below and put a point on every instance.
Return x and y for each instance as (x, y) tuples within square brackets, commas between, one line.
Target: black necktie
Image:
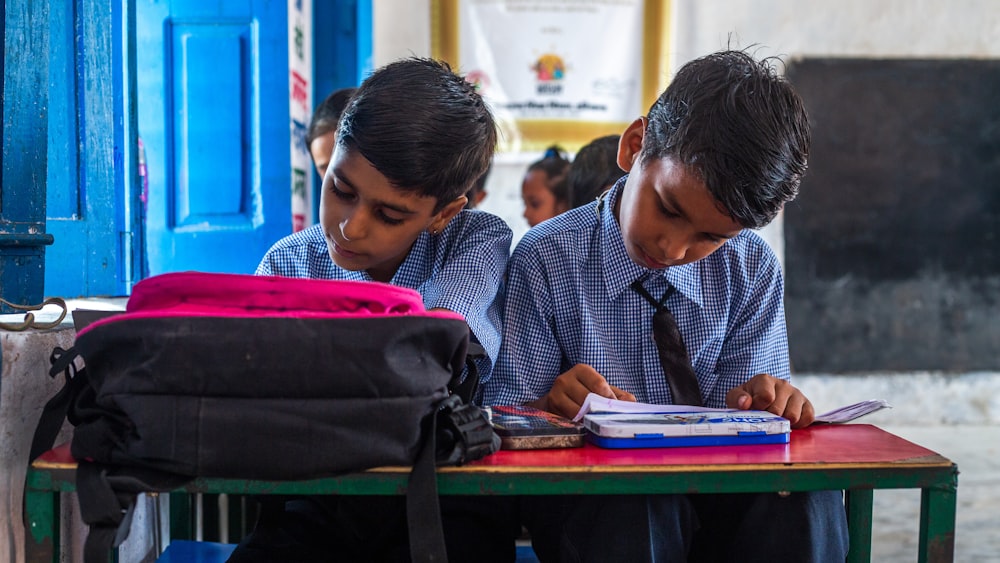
[(670, 346)]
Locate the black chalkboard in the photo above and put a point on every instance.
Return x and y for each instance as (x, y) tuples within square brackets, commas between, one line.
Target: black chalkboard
[(892, 249)]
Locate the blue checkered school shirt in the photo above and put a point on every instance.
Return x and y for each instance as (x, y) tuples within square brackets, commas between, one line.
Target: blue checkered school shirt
[(569, 302), (460, 269)]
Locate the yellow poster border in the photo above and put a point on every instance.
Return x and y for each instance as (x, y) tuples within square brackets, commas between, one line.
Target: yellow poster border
[(536, 134)]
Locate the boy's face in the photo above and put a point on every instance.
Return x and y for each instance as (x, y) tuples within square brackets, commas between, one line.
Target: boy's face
[(369, 223), (666, 213)]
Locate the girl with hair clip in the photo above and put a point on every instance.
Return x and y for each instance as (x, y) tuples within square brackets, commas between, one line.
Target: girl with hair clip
[(544, 188)]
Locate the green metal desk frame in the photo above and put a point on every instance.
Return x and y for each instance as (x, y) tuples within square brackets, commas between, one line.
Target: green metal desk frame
[(937, 479)]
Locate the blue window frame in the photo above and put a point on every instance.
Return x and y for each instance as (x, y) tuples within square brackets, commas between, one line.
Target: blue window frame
[(24, 128)]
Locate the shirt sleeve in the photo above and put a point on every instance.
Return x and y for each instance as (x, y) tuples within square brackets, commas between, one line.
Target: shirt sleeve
[(530, 355), (470, 279), (264, 268), (299, 255), (756, 336)]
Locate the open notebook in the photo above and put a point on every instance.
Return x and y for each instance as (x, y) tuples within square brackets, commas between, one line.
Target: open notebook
[(621, 424), (597, 403)]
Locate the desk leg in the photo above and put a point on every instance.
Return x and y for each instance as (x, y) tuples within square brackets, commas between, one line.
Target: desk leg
[(859, 525), (181, 527), (937, 524), (41, 523)]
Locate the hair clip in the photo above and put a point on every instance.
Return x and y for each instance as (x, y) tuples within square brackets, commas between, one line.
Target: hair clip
[(552, 152)]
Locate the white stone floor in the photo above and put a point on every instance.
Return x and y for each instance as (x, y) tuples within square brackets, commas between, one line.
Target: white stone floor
[(976, 450)]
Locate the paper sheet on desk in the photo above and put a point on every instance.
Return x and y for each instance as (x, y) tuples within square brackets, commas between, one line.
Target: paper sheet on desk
[(597, 403), (851, 412)]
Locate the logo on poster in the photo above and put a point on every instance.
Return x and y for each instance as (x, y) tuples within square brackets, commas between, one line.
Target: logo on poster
[(549, 71), (479, 79)]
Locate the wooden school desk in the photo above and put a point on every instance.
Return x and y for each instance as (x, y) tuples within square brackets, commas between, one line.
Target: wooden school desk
[(855, 457)]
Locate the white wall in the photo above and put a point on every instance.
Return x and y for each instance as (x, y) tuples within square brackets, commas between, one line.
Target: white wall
[(402, 28), (855, 28), (788, 28), (850, 28)]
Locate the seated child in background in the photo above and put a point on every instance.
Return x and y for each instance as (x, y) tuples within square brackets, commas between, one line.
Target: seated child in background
[(594, 170), (322, 134), (720, 152), (477, 193), (412, 140), (544, 187)]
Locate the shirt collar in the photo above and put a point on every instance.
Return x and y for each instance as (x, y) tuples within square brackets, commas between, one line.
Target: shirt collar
[(620, 271)]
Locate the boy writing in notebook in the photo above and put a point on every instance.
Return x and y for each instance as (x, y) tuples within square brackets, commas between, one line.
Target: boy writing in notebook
[(720, 152), (411, 142)]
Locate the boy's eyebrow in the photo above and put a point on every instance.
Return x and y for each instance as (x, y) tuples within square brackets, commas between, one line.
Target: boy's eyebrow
[(393, 206), (680, 211)]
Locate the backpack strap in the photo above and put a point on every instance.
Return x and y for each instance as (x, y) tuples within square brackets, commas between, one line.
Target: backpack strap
[(458, 433), (469, 386), (107, 513), (56, 408), (423, 511), (107, 496), (464, 433)]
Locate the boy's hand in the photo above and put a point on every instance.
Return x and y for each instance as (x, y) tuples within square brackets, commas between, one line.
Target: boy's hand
[(767, 393), (571, 388)]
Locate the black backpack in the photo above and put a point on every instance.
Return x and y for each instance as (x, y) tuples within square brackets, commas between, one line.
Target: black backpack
[(279, 378)]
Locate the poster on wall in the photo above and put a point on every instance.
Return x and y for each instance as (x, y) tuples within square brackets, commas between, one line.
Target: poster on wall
[(557, 71), (300, 109)]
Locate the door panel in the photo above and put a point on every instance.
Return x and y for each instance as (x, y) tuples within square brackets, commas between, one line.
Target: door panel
[(210, 118), (84, 175), (213, 117)]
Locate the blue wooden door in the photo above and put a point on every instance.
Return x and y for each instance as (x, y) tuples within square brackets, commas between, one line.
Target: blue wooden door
[(213, 116), (97, 248)]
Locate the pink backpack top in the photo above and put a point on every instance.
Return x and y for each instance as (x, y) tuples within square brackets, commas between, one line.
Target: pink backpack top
[(239, 295)]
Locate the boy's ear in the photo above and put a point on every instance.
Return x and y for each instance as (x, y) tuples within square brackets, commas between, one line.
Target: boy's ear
[(631, 143), (446, 214)]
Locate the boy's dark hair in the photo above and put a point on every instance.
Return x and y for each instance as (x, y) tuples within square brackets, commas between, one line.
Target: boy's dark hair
[(422, 126), (738, 124), (555, 165), (594, 169), (327, 114)]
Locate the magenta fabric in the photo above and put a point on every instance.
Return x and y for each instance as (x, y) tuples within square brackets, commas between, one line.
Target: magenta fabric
[(185, 294)]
